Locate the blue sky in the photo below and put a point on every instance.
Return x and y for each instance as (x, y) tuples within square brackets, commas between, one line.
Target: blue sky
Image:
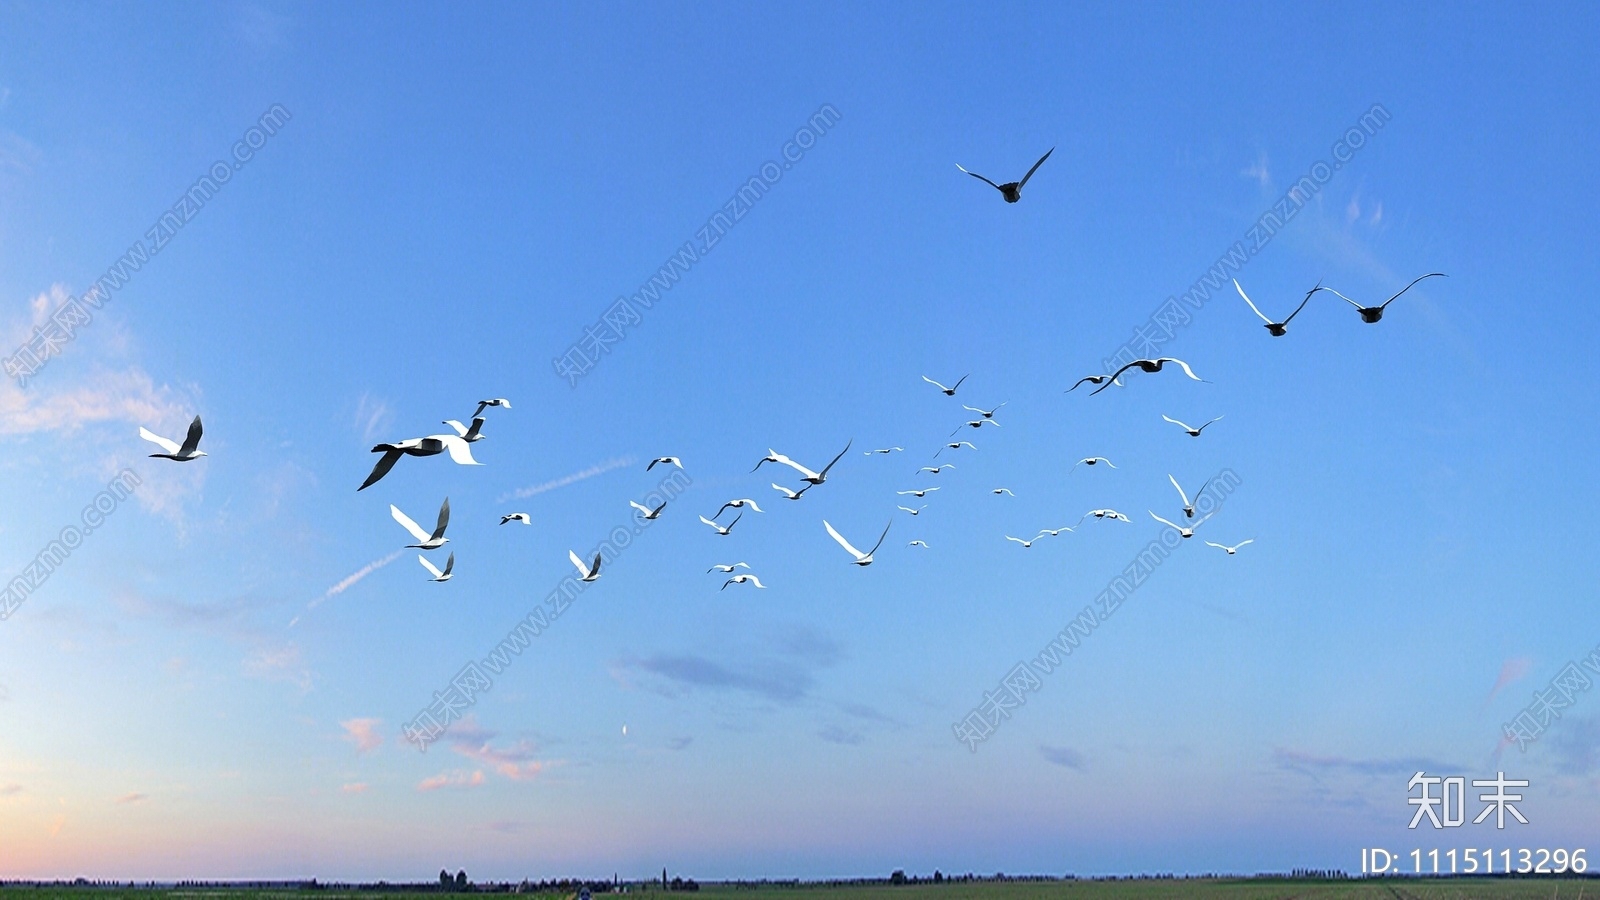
[(458, 193)]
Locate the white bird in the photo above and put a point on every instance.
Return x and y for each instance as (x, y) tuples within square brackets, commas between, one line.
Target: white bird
[(1188, 508), (1190, 429), (975, 423), (425, 541), (1093, 460), (918, 494), (1371, 314), (737, 504), (922, 544), (998, 491), (1012, 190), (648, 512), (791, 495), (725, 569), (1277, 329), (719, 528), (1182, 531), (484, 404), (914, 512), (861, 559), (1105, 514), (1021, 541), (986, 413), (1230, 550), (664, 460), (467, 434), (524, 518), (806, 474), (741, 579), (1053, 532), (954, 446), (947, 391), (393, 452), (438, 575), (188, 451), (937, 469), (589, 572), (884, 450), (1151, 365)]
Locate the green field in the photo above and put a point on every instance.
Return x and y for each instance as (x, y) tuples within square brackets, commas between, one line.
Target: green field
[(1209, 889)]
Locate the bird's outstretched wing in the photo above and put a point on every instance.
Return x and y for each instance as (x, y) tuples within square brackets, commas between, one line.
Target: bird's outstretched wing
[(797, 467), (595, 570), (1302, 304), (444, 520), (385, 463), (192, 440), (460, 451), (834, 460), (1113, 379), (158, 440), (459, 428), (1177, 423), (1180, 490), (432, 569), (1182, 365), (926, 378), (406, 523), (842, 542), (1253, 306), (880, 538), (583, 571), (981, 178), (1165, 522), (1385, 305), (1024, 182)]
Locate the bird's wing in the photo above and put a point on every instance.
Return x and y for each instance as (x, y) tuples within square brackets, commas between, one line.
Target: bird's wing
[(1113, 378), (1385, 304), (1163, 521), (1253, 306), (385, 463), (908, 509), (459, 428), (596, 570), (709, 522), (163, 443), (1203, 427), (639, 506), (652, 464), (1035, 168), (957, 385), (429, 566), (444, 519), (842, 542), (460, 451), (797, 467), (728, 582), (192, 440), (926, 378), (1202, 520), (973, 409), (1176, 422), (407, 524), (720, 511), (1242, 543), (482, 405), (880, 538), (582, 569), (1183, 365), (786, 492), (980, 177), (1018, 540), (733, 523), (1343, 297), (449, 563), (1302, 304), (1180, 490), (1217, 545), (755, 581), (657, 511)]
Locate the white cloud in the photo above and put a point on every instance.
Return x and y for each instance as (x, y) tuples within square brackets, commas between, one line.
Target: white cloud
[(524, 493), (363, 733)]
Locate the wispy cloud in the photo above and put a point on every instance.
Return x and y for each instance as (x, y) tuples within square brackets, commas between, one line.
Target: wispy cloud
[(680, 673), (833, 734), (1514, 669), (347, 583), (1313, 764), (135, 797), (452, 779), (354, 787), (10, 790), (517, 762), (282, 663), (1062, 756), (600, 469), (363, 733), (1259, 171), (372, 416)]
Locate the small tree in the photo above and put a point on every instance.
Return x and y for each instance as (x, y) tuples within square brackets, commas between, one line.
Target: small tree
[(461, 880), (898, 877), (445, 882)]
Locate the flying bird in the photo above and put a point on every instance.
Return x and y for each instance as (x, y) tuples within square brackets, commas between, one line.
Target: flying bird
[(914, 512), (469, 435), (937, 469), (589, 572), (1092, 460), (425, 541), (1371, 314), (1190, 429), (1277, 329), (721, 530), (741, 579), (648, 512), (524, 518), (485, 404), (806, 474), (737, 504), (1182, 531), (189, 450), (998, 491), (1230, 550), (861, 559), (393, 452), (922, 544), (438, 575), (1150, 365), (987, 414), (1105, 514), (884, 450), (725, 569), (1188, 508), (664, 460), (947, 391), (773, 456), (975, 423), (954, 446), (918, 494), (1054, 531), (791, 495), (1093, 379), (1012, 190), (1021, 541)]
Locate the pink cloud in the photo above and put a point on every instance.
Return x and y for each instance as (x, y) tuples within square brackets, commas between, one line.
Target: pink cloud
[(363, 733), (452, 779), (517, 762), (354, 787), (132, 798), (1514, 669)]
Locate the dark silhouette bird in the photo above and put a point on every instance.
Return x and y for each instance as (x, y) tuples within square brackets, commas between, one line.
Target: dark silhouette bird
[(1277, 329), (1149, 365), (947, 391), (1012, 191), (1371, 314), (1190, 430), (1092, 379), (191, 444)]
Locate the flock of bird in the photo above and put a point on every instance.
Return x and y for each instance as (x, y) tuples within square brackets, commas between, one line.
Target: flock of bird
[(457, 444)]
